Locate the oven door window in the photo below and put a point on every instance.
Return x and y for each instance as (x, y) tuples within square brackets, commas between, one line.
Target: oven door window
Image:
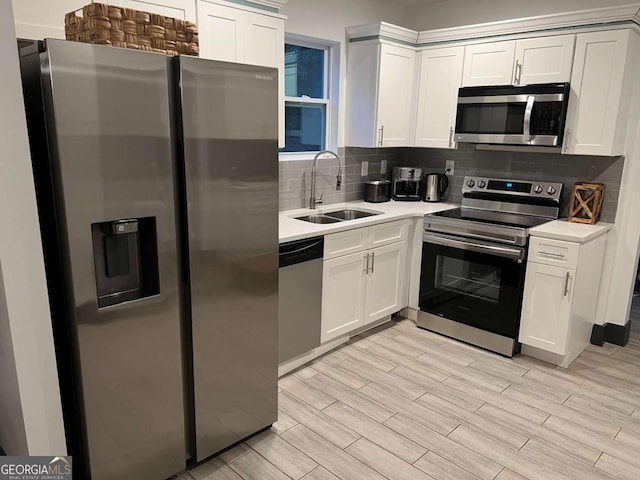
[(468, 278), (477, 289)]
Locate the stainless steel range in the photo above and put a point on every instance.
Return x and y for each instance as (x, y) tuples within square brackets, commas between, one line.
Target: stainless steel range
[(474, 258)]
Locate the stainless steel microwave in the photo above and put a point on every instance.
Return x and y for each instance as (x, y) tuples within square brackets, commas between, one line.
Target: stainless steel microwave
[(513, 115)]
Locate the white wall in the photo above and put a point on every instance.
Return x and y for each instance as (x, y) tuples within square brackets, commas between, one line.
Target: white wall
[(327, 20), (13, 438), (38, 19), (23, 276), (623, 242), (454, 13)]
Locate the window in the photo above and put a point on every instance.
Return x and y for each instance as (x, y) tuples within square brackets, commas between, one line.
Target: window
[(308, 105)]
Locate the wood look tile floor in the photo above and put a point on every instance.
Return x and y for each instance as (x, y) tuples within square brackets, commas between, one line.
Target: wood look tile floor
[(402, 403)]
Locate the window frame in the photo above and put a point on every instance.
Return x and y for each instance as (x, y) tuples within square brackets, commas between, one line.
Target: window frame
[(330, 100)]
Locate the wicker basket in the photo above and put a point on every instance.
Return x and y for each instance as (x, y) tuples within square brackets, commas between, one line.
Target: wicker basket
[(129, 28), (586, 202)]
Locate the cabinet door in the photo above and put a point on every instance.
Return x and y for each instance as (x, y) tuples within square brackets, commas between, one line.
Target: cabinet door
[(183, 9), (440, 78), (343, 281), (544, 60), (385, 282), (546, 309), (221, 32), (489, 64), (264, 45), (596, 93), (395, 95)]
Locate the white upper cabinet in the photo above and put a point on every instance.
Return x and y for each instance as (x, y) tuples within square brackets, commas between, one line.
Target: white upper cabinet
[(439, 80), (396, 95), (544, 60), (380, 80), (600, 93), (184, 9), (264, 41), (522, 62), (244, 35), (489, 64), (221, 32)]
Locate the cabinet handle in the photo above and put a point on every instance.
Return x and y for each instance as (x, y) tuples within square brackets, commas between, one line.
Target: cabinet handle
[(566, 285), (518, 73), (366, 269), (373, 261), (450, 137), (381, 136), (554, 255)]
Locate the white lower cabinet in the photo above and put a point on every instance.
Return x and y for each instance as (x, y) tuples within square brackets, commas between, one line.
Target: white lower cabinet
[(547, 307), (560, 298), (363, 287), (343, 283), (385, 282)]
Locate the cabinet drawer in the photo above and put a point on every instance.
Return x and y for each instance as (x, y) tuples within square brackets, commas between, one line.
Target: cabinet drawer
[(554, 252), (344, 243), (387, 233)]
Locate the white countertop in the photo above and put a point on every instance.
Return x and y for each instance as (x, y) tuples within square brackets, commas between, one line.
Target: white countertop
[(292, 229), (570, 232)]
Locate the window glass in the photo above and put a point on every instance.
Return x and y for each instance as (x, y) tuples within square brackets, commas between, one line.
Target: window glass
[(305, 127), (304, 71)]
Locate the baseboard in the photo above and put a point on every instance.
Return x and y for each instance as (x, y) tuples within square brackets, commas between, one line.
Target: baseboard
[(598, 335), (611, 333)]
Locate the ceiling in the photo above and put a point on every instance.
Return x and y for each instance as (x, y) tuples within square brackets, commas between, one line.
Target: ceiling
[(416, 3)]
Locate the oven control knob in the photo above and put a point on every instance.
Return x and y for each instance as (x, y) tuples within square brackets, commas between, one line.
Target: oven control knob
[(538, 189), (470, 183), (551, 190), (482, 184)]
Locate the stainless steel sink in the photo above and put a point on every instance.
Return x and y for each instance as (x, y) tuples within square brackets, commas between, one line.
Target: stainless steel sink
[(350, 214), (337, 216), (318, 219)]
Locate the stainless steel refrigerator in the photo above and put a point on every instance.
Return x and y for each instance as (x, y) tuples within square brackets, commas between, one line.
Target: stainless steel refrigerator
[(156, 180)]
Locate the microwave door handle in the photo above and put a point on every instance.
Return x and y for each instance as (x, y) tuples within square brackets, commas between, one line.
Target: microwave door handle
[(526, 128)]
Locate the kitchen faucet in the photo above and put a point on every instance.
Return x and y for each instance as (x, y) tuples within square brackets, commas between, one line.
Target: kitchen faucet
[(313, 201)]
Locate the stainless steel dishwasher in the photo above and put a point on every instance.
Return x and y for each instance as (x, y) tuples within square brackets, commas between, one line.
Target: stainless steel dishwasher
[(300, 297)]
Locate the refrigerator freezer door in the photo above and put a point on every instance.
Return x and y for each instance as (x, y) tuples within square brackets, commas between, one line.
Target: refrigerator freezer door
[(110, 150), (230, 124)]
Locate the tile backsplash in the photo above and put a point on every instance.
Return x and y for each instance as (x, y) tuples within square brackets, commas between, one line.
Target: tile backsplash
[(552, 167), (295, 175)]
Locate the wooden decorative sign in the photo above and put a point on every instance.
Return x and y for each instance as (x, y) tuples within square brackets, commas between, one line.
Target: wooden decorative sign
[(586, 202)]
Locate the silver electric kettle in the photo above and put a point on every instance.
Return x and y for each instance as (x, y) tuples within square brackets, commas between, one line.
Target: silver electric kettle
[(435, 186)]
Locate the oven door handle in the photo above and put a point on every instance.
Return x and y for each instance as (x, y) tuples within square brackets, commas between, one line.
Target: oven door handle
[(497, 250)]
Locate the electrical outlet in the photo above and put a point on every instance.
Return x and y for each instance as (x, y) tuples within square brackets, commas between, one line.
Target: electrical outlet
[(365, 169), (383, 167), (449, 167)]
